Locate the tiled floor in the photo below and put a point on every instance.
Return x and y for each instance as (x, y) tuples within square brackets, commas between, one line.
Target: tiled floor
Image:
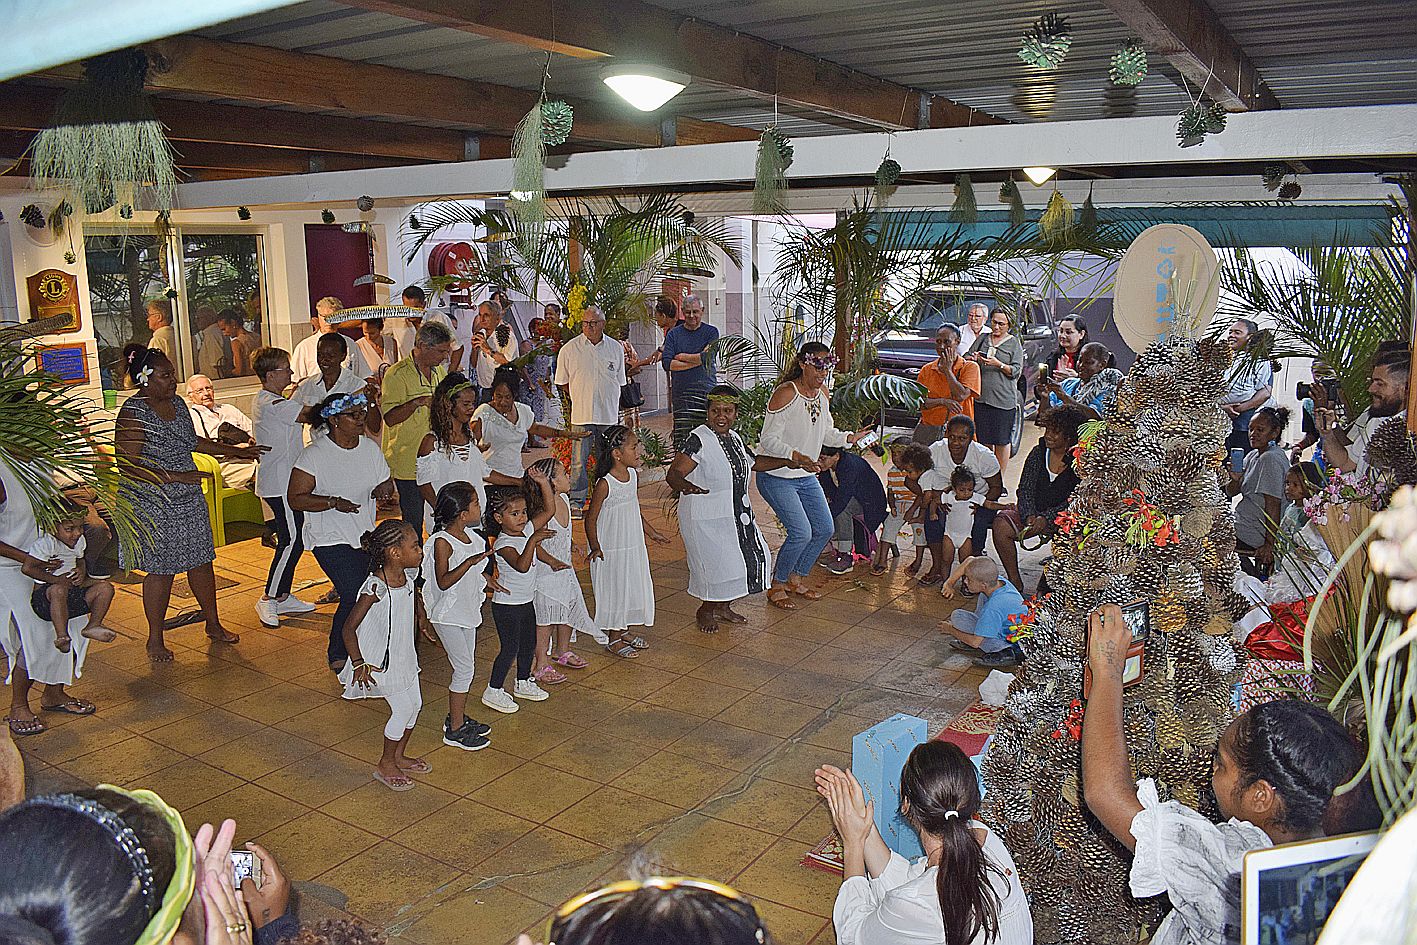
[(696, 758)]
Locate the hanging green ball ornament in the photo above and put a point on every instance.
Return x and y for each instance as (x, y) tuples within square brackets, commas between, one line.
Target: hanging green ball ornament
[(1129, 65), (242, 213), (1047, 42), (327, 216), (1273, 177), (365, 203), (1199, 120), (556, 120), (126, 211), (888, 174), (1290, 191), (783, 144)]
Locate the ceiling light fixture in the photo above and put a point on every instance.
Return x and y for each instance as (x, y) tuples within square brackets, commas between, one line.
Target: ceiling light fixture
[(1039, 175), (642, 85)]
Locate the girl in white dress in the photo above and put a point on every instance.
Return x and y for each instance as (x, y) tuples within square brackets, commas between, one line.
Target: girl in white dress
[(560, 605), (449, 451), (454, 589), (619, 560), (383, 663), (711, 475)]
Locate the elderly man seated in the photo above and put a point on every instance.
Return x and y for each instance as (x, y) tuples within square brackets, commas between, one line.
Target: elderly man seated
[(221, 422)]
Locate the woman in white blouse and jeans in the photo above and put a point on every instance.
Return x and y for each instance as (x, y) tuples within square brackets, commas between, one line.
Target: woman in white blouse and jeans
[(965, 890), (797, 425)]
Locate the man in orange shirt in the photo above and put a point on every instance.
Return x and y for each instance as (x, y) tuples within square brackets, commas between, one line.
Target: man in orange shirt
[(951, 383)]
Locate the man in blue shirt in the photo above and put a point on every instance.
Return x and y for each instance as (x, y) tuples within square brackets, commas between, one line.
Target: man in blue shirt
[(985, 628), (691, 370)]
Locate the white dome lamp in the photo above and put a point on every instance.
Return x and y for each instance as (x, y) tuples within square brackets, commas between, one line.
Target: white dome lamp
[(643, 85)]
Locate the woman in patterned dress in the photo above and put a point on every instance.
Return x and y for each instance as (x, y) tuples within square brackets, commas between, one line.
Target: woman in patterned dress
[(155, 440)]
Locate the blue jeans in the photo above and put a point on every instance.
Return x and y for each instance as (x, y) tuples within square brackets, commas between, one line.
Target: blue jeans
[(802, 508), (580, 450)]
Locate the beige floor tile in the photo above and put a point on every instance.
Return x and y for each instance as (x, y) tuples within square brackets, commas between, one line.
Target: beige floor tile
[(777, 875), (251, 759), (534, 792), (696, 845), (652, 725), (318, 778), (843, 663), (154, 709), (596, 756), (385, 879), (64, 742), (771, 647), (576, 703), (524, 734), (764, 713), (764, 805), (738, 671), (122, 763), (255, 810), (333, 722), (814, 689), (315, 842), (277, 703), (675, 779), (558, 865), (375, 808), (795, 764), (789, 926), (461, 772), (725, 745), (493, 916), (205, 730), (464, 833), (612, 817), (695, 696), (189, 783)]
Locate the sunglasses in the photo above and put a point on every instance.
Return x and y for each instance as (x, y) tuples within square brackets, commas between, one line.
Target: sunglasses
[(822, 362), (628, 887)]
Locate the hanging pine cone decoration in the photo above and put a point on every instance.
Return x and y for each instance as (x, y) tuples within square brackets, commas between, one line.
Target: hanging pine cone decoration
[(33, 216), (1199, 120), (1129, 64), (556, 120), (888, 174), (413, 222), (126, 211), (1290, 190), (328, 216), (242, 213), (1009, 194), (1047, 42), (365, 203), (69, 257), (1273, 177)]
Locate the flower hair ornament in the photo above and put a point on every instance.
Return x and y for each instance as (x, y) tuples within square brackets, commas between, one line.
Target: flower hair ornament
[(822, 362), (142, 356), (340, 404)]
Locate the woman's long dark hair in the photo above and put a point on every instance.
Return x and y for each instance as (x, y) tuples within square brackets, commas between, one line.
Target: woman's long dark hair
[(1081, 325), (440, 411), (939, 790), (653, 916), (66, 880), (794, 367), (1301, 751)]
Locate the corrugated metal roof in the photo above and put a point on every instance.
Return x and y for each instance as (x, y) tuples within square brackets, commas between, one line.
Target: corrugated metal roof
[(1312, 53)]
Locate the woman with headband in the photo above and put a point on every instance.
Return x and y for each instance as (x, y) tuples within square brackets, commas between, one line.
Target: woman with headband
[(336, 483), (797, 425), (680, 909), (155, 439)]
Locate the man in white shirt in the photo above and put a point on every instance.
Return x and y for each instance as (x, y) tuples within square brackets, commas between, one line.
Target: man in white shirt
[(958, 448), (164, 337), (221, 422), (213, 347), (1387, 385), (488, 352), (303, 364), (973, 326), (590, 369), (1251, 385)]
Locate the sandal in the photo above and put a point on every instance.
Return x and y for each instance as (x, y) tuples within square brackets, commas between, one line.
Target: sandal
[(22, 727), (913, 568), (71, 707), (639, 643), (878, 569), (550, 676), (802, 590), (417, 766), (781, 598), (569, 660), (622, 649), (395, 783), (226, 636), (930, 580)]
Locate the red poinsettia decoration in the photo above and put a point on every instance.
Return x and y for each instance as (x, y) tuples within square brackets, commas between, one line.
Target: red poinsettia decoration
[(1147, 525), (1072, 722)]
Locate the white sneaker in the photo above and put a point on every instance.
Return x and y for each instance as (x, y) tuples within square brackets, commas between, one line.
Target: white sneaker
[(293, 605), (499, 700), (529, 690), (268, 613)]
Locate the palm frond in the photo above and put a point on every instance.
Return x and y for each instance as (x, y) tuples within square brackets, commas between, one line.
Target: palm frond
[(878, 390)]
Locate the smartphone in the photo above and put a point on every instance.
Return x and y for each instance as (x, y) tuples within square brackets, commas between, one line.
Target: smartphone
[(245, 865), (1138, 620), (869, 440), (1237, 460)]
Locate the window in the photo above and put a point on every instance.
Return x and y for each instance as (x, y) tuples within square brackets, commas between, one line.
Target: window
[(211, 324)]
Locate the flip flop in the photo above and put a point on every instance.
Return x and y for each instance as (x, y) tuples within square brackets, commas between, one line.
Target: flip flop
[(569, 660), (226, 637), (399, 783), (549, 676), (71, 707), (23, 727), (418, 767)]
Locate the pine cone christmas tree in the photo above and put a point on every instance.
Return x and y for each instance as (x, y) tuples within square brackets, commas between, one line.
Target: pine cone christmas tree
[(1152, 524)]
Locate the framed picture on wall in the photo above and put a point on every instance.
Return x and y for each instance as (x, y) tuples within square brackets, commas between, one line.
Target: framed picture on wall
[(69, 363), (54, 293)]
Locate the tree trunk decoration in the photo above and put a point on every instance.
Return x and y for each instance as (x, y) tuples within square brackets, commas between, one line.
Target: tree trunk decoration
[(1150, 522)]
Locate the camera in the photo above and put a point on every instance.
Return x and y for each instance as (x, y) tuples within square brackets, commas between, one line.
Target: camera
[(245, 865)]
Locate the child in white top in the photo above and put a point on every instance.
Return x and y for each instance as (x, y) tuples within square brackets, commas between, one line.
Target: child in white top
[(957, 507), (518, 537), (619, 560), (383, 663), (67, 590), (454, 588), (560, 604)]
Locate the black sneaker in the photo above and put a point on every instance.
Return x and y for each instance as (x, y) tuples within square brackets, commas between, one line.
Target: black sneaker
[(466, 739), (1004, 659), (469, 724)]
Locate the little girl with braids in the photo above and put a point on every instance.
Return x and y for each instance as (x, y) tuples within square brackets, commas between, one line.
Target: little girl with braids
[(619, 560), (1274, 775), (560, 605), (383, 663), (454, 589)]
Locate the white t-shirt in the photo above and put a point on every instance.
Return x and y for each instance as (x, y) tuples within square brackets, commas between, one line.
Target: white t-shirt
[(502, 441), (303, 364), (48, 547), (345, 474), (208, 421), (403, 334), (979, 459), (595, 374), (440, 467), (312, 390), (486, 364), (461, 604), (519, 587), (17, 523), (276, 426)]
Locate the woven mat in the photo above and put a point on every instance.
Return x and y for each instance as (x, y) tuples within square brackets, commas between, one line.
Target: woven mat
[(969, 730)]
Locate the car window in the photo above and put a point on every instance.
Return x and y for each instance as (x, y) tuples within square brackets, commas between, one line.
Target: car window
[(937, 310)]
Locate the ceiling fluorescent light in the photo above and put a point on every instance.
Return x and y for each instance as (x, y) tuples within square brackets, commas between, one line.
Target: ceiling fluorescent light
[(1039, 175), (644, 86)]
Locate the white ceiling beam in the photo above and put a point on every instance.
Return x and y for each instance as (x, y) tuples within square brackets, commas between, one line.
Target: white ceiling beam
[(1379, 131)]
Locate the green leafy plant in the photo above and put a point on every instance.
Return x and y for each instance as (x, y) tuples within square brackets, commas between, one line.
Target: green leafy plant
[(654, 452)]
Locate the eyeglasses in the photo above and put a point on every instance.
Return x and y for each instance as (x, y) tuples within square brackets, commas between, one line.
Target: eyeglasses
[(628, 887)]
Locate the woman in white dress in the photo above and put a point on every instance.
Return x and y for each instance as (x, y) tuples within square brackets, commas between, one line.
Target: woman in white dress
[(503, 425), (965, 890), (449, 451), (710, 473)]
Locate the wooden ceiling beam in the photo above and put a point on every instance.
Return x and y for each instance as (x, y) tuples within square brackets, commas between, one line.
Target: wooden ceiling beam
[(1192, 38), (31, 108), (631, 29), (250, 73)]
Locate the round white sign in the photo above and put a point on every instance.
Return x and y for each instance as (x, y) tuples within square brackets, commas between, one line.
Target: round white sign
[(1167, 283)]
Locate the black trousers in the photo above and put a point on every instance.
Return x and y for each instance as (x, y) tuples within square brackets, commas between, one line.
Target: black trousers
[(410, 504), (516, 629), (289, 547), (346, 568)]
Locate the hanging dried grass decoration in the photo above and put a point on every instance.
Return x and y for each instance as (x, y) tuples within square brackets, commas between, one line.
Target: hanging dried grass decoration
[(1087, 216), (528, 194), (770, 178), (966, 205), (1009, 194), (1057, 218), (106, 144)]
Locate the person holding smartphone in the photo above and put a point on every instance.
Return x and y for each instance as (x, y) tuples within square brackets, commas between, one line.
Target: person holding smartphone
[(999, 356)]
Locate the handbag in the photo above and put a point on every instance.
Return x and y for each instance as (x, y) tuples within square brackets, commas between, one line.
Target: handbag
[(631, 396)]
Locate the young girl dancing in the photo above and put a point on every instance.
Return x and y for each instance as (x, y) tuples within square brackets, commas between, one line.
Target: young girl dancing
[(517, 538), (619, 560), (560, 606), (383, 663), (1275, 770), (454, 588)]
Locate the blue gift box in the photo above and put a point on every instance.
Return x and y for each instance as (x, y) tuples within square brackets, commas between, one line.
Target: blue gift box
[(877, 757)]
